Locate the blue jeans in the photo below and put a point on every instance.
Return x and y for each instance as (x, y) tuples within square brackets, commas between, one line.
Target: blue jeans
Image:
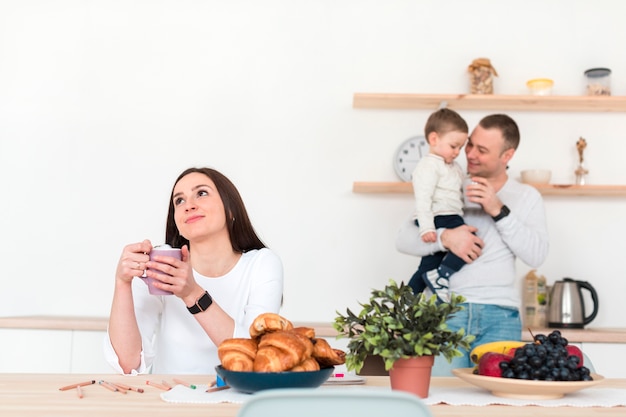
[(488, 323)]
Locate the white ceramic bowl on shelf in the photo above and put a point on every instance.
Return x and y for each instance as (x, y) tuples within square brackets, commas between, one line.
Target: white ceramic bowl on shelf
[(536, 176)]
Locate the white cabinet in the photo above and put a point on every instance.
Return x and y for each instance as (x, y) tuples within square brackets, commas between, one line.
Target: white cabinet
[(607, 358), (87, 353), (51, 351), (35, 351)]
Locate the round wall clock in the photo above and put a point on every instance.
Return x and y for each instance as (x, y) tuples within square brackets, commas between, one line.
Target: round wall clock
[(407, 156)]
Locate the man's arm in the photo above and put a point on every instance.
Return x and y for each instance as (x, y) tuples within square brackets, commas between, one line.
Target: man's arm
[(461, 241), (525, 232)]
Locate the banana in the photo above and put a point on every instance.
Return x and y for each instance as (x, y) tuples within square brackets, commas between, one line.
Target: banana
[(501, 346)]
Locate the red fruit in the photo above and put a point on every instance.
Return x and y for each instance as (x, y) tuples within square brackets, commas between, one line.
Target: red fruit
[(573, 350), (489, 364), (511, 352)]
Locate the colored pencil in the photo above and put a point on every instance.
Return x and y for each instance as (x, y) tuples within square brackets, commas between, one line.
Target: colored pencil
[(108, 386), (187, 384), (80, 384), (127, 387), (218, 388), (157, 385)]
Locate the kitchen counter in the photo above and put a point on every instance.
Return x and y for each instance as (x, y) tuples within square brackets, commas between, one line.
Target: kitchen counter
[(322, 329), (590, 335)]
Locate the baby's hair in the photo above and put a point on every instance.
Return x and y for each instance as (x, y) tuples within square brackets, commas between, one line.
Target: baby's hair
[(443, 121)]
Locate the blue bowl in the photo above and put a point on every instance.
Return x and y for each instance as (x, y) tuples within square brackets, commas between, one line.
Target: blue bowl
[(257, 381)]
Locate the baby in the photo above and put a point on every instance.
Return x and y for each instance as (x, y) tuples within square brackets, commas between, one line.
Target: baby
[(437, 186)]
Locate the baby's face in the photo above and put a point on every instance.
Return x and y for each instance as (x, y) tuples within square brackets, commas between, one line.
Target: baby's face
[(448, 145)]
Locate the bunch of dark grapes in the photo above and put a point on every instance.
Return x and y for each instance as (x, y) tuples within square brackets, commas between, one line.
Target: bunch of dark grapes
[(545, 360)]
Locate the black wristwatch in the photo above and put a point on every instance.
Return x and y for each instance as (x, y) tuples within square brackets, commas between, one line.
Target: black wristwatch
[(202, 304), (503, 213)]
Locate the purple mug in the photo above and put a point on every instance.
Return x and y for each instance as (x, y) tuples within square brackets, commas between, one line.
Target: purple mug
[(161, 250)]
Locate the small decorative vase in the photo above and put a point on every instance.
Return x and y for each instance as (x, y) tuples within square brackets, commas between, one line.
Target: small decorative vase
[(412, 375)]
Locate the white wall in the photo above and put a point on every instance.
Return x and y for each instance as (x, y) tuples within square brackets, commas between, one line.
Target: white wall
[(103, 103)]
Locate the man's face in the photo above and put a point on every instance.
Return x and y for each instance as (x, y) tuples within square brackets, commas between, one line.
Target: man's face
[(485, 155)]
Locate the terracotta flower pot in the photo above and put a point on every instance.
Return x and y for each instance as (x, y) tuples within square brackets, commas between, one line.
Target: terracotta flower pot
[(412, 375)]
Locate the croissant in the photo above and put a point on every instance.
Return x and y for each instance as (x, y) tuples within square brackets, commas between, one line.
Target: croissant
[(306, 342), (238, 354), (269, 322), (308, 365), (280, 351), (305, 331), (326, 355)]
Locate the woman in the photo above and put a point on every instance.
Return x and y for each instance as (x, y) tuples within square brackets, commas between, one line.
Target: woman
[(226, 278)]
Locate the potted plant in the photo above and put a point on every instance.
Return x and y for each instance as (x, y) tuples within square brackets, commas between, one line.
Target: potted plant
[(402, 328)]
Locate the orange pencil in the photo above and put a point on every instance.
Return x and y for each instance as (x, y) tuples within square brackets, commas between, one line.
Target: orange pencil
[(157, 385), (164, 382), (187, 384), (117, 389), (108, 386), (79, 391), (127, 387), (80, 384)]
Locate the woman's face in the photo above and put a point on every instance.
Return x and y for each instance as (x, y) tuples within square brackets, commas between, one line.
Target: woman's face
[(198, 208)]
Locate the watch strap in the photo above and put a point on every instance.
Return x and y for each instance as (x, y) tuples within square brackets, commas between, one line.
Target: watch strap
[(504, 211), (202, 303)]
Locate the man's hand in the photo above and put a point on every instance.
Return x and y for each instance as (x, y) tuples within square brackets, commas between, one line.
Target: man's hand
[(463, 242), (483, 193)]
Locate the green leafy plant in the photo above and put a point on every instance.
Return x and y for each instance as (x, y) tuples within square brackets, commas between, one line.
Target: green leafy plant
[(396, 323)]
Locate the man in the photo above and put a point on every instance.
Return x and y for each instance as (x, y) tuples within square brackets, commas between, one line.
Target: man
[(510, 224)]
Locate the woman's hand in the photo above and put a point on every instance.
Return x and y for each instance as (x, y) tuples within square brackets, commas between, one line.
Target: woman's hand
[(174, 275), (133, 261)]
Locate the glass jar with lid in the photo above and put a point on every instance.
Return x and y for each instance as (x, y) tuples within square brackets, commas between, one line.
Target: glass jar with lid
[(481, 76), (598, 81)]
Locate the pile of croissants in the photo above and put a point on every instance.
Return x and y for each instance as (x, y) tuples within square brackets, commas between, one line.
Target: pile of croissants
[(275, 345)]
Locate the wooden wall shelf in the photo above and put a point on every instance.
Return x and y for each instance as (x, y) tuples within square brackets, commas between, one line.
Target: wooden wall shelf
[(544, 189), (490, 102)]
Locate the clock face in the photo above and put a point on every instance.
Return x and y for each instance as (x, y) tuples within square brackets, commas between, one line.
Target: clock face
[(407, 156)]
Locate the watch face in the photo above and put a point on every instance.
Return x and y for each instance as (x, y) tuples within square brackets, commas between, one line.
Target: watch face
[(407, 156)]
